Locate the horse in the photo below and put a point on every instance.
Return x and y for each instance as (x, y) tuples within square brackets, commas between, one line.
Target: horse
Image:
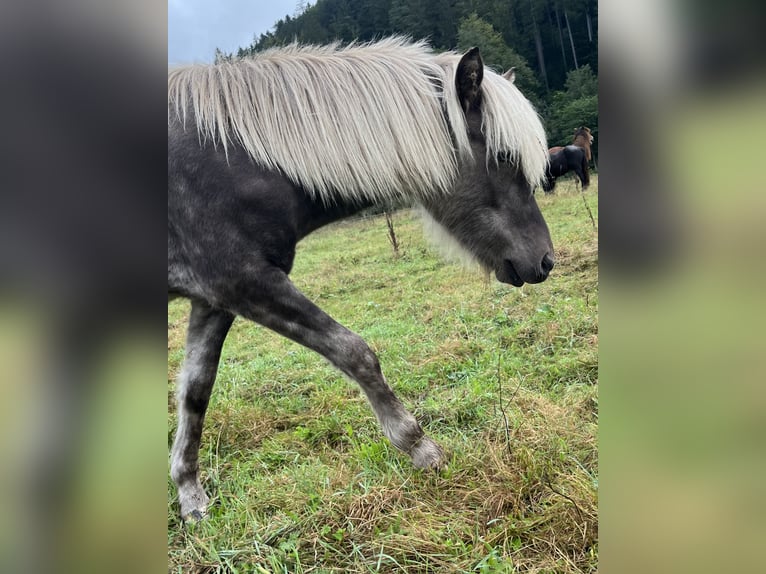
[(583, 138), (569, 158), (264, 150)]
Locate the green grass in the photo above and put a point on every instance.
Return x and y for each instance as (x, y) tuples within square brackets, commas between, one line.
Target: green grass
[(300, 477)]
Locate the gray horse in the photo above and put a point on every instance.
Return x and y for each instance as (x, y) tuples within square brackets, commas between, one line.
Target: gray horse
[(263, 151)]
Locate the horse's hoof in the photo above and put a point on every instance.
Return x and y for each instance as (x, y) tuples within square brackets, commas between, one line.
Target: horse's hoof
[(194, 516), (193, 502), (428, 455)]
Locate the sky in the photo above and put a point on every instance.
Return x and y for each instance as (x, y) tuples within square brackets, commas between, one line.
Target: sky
[(197, 27)]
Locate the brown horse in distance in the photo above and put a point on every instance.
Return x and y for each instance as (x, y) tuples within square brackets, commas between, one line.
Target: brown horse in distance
[(584, 139)]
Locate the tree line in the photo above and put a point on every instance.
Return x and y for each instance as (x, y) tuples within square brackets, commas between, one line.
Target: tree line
[(553, 44)]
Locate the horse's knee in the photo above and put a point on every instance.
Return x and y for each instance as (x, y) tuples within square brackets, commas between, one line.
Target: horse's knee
[(354, 357)]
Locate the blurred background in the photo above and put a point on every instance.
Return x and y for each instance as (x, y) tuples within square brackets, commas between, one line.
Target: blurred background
[(681, 113), (82, 218), (682, 374)]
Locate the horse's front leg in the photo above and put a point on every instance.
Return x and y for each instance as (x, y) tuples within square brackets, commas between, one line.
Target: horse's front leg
[(207, 330), (277, 304)]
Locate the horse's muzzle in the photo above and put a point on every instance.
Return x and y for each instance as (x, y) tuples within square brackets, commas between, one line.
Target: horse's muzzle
[(507, 273), (546, 266)]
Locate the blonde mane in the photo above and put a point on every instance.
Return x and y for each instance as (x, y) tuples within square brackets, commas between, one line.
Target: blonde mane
[(376, 121)]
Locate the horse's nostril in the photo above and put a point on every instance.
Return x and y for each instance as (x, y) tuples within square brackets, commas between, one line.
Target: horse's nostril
[(547, 264)]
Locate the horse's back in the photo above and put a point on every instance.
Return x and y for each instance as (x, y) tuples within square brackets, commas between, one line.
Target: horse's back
[(574, 155)]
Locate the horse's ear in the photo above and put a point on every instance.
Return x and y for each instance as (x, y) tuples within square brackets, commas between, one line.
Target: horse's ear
[(470, 72), (510, 75)]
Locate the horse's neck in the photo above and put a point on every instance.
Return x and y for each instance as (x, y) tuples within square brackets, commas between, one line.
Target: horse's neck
[(311, 213)]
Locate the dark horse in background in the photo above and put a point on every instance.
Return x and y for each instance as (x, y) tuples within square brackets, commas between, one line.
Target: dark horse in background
[(564, 159), (569, 158), (263, 151), (582, 138)]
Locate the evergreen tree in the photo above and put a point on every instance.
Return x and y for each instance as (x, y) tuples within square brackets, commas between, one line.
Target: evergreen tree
[(546, 34), (573, 107), (581, 83)]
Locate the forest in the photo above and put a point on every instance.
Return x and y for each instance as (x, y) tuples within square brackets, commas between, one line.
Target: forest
[(553, 44)]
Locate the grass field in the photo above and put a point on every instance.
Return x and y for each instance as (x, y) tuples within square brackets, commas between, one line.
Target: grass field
[(300, 477)]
